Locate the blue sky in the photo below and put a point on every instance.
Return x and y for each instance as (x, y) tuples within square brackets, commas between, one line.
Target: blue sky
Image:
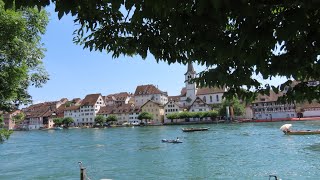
[(75, 72)]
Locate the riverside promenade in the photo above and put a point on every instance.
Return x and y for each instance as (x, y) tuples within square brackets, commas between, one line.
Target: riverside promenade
[(279, 119)]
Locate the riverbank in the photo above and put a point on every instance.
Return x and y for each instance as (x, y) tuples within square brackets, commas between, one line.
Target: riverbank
[(280, 119), (197, 122)]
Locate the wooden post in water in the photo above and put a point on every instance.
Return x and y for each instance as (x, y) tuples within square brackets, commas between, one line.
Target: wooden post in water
[(82, 171)]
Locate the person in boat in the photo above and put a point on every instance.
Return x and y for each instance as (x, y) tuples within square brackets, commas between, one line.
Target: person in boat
[(177, 139), (286, 131)]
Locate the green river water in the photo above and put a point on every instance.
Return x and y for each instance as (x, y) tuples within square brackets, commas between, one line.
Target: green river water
[(226, 151)]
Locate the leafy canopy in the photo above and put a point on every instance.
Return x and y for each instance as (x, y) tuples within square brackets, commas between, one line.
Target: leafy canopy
[(100, 119), (186, 114), (21, 53), (238, 108), (233, 39), (58, 121), (67, 121), (145, 115), (111, 118), (18, 118), (5, 134)]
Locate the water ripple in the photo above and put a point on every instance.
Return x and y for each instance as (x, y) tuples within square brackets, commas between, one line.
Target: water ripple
[(226, 151)]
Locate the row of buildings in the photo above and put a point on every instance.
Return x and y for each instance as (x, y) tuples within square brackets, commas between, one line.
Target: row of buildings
[(149, 98)]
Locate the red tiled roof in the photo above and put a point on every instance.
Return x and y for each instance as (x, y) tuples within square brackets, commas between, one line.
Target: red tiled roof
[(175, 102), (63, 100), (174, 98), (204, 91), (122, 96), (307, 105), (125, 108), (152, 102), (207, 90), (90, 99), (147, 90), (41, 109), (71, 108), (114, 109), (76, 100), (48, 113), (265, 98), (197, 100), (106, 109)]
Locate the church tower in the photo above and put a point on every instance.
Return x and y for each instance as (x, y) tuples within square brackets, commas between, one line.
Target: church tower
[(191, 89)]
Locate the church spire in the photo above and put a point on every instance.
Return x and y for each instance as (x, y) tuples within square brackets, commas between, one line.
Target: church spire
[(190, 69)]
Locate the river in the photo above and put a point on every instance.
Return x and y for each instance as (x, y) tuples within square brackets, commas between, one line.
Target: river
[(226, 151)]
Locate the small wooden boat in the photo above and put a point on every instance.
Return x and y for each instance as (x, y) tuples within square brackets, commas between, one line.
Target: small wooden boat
[(286, 130), (171, 141), (194, 129), (302, 132)]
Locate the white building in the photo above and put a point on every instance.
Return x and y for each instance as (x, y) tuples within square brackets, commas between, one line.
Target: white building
[(307, 109), (74, 113), (126, 113), (144, 93), (172, 107), (190, 92), (90, 106), (133, 115), (199, 105), (267, 108)]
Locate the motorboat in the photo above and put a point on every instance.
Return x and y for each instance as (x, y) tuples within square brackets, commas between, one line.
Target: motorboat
[(58, 128), (286, 130), (171, 141), (194, 129)]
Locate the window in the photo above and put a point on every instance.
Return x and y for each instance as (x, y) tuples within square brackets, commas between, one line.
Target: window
[(217, 96), (210, 98), (204, 99)]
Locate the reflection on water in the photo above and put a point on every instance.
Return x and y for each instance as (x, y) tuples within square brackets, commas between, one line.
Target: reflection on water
[(148, 148), (313, 147), (226, 151)]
